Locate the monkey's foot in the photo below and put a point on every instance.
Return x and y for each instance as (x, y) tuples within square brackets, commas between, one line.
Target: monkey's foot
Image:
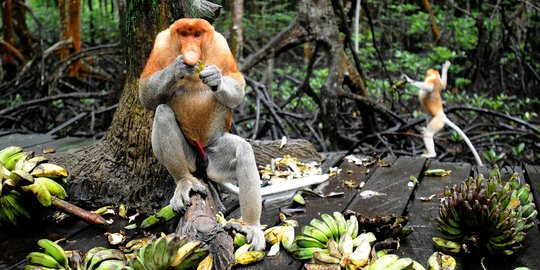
[(182, 194), (429, 155), (254, 235)]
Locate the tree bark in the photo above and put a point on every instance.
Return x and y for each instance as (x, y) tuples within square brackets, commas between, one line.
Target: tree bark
[(237, 32)]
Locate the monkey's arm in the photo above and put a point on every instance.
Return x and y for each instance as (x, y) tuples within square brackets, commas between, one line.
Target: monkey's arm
[(229, 89), (444, 72), (422, 85), (156, 88)]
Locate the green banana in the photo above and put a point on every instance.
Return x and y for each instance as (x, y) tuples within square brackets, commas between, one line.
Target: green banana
[(446, 246), (40, 191), (306, 241), (9, 151), (383, 262), (54, 250), (111, 264), (207, 263), (161, 259), (13, 159), (341, 222), (287, 237), (307, 253), (401, 263), (7, 213), (166, 213), (12, 199), (323, 227), (314, 233), (52, 186), (331, 223), (42, 259)]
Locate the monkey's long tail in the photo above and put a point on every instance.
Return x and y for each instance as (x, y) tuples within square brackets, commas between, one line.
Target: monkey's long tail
[(467, 141)]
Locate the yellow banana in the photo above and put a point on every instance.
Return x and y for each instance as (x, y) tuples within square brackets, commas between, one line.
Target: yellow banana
[(54, 250), (249, 257), (369, 236), (49, 170), (206, 264), (402, 263), (352, 226), (31, 163), (185, 251), (52, 186), (333, 248), (360, 256)]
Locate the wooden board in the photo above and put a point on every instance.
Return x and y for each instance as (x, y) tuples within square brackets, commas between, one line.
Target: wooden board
[(24, 140), (533, 177), (63, 144), (422, 214), (392, 183)]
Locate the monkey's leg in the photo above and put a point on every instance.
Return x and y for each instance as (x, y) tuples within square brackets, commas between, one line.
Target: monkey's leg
[(173, 151), (231, 159), (434, 126)]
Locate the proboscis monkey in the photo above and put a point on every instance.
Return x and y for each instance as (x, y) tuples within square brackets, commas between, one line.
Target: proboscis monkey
[(430, 99), (193, 114)]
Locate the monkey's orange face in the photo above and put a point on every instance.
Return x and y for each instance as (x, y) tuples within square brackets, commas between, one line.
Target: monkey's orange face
[(191, 34)]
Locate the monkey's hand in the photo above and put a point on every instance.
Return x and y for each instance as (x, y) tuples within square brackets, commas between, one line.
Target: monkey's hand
[(211, 75), (446, 65), (254, 235), (181, 69), (406, 78), (184, 187)]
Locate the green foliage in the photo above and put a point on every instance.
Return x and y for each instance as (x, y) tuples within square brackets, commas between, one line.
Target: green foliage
[(493, 157), (98, 26)]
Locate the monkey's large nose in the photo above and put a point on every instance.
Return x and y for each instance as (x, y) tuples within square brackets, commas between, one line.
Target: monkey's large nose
[(191, 57)]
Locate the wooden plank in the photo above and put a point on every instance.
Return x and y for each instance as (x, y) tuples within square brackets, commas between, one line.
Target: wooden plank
[(24, 140), (392, 183), (315, 206), (63, 144), (422, 214)]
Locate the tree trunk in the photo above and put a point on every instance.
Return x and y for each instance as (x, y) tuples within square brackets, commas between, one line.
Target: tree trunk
[(237, 32)]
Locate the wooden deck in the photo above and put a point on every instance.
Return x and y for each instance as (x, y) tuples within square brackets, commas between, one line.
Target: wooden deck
[(391, 181)]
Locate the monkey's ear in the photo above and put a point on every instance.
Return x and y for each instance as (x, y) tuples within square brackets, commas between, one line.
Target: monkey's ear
[(205, 10)]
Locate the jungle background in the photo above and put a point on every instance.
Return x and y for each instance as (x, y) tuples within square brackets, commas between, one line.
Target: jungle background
[(64, 67)]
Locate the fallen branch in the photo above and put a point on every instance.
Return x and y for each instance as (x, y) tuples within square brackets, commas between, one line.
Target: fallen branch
[(79, 212), (51, 98)]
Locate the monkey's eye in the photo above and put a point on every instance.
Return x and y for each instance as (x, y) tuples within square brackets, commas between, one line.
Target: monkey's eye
[(198, 34), (184, 33)]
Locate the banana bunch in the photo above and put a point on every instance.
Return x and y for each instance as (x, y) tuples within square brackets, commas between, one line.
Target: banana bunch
[(394, 262), (170, 251), (100, 258), (32, 174), (163, 215), (487, 213), (384, 227), (52, 257)]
